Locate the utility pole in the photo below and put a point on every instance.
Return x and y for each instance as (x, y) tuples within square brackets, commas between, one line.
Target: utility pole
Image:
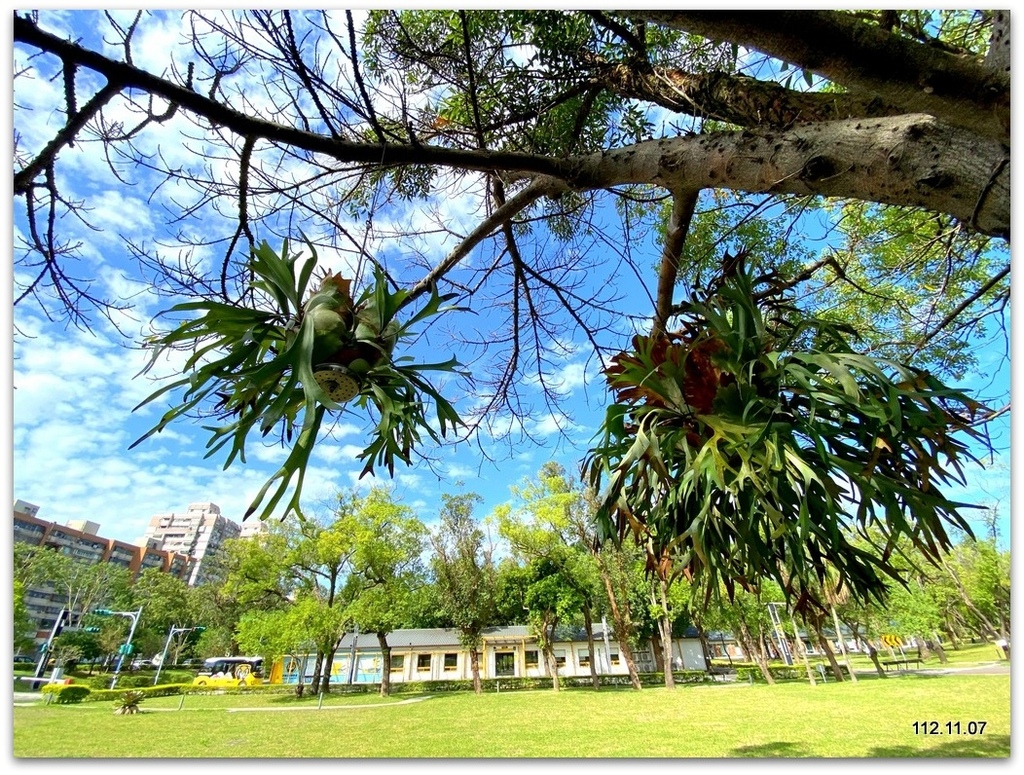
[(170, 635), (126, 649)]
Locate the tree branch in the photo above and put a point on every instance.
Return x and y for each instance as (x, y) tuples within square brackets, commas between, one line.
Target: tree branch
[(865, 58), (684, 203)]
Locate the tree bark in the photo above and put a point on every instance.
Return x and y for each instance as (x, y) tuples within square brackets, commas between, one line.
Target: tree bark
[(665, 626), (873, 654), (864, 58), (588, 623), (385, 652), (754, 652), (943, 659), (621, 623), (548, 630), (842, 646), (325, 676), (982, 619), (474, 662)]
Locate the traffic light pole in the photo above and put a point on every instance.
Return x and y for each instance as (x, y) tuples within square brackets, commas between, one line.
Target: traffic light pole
[(167, 645), (57, 625), (127, 647)]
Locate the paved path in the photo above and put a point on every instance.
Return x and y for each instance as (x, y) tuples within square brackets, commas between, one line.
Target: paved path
[(336, 707)]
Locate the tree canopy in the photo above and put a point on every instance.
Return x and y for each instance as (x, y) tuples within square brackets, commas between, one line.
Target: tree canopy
[(524, 163)]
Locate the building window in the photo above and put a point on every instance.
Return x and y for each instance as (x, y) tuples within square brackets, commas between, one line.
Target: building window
[(451, 661), (613, 657), (532, 659), (397, 663), (560, 657), (423, 661), (584, 657)]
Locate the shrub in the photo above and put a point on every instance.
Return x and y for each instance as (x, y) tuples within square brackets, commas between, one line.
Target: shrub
[(65, 694)]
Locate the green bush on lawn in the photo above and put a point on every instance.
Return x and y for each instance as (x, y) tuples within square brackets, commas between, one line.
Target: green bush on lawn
[(97, 689)]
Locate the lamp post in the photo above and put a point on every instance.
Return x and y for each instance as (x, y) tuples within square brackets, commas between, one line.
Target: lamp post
[(126, 649), (163, 657), (780, 637)]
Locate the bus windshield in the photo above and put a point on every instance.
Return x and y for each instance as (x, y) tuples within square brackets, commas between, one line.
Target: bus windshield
[(232, 667)]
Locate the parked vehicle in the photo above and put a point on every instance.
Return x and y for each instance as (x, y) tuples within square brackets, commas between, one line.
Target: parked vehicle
[(230, 672)]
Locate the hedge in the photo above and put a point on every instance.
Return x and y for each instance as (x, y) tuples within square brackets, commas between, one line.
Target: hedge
[(89, 691)]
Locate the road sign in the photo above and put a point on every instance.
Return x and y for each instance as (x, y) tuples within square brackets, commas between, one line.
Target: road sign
[(892, 641)]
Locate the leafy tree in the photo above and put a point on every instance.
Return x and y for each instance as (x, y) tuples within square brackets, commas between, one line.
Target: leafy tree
[(389, 541), (302, 565), (24, 627), (77, 645), (465, 573), (78, 586), (510, 584), (551, 598), (545, 527), (166, 603)]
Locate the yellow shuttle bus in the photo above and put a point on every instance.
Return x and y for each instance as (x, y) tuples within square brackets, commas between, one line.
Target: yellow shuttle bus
[(230, 672)]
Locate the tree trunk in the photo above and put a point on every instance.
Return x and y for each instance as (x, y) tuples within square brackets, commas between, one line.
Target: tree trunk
[(943, 659), (621, 624), (665, 625), (754, 653), (474, 661), (325, 675), (548, 645), (799, 642), (982, 619), (315, 682), (656, 648), (837, 671), (923, 652), (702, 636), (842, 646), (385, 652), (817, 624), (588, 623), (873, 653)]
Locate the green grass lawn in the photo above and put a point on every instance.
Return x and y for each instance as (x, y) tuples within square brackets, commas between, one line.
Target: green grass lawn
[(872, 718)]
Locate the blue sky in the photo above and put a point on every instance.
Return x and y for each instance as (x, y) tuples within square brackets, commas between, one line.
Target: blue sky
[(72, 419)]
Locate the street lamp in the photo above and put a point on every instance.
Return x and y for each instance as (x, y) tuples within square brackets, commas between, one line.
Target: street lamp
[(780, 637), (126, 649), (163, 657)]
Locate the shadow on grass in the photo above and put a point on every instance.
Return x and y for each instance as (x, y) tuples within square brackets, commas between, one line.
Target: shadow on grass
[(994, 746), (776, 750)]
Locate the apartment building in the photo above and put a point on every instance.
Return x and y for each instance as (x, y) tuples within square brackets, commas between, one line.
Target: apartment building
[(199, 533), (80, 539)]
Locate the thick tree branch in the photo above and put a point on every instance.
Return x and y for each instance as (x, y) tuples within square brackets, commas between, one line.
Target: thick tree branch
[(908, 160), (735, 99), (866, 58), (242, 124), (998, 56), (911, 160), (684, 203)]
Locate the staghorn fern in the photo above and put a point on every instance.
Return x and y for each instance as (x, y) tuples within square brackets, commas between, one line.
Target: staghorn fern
[(755, 442), (273, 367)]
